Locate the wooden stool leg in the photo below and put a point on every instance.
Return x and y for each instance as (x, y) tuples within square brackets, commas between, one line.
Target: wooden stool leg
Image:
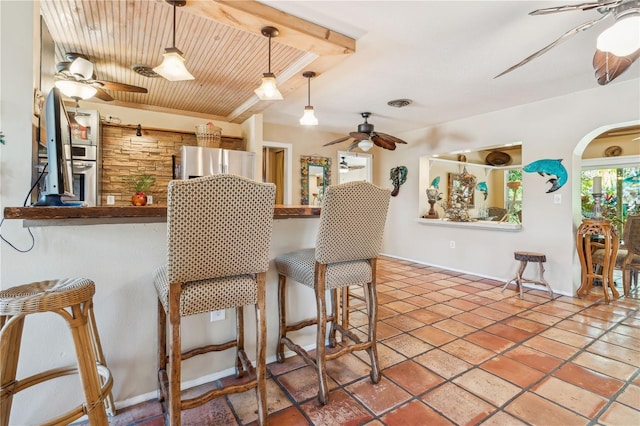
[(345, 307), (282, 313), (97, 345), (78, 323), (261, 348), (372, 310), (175, 357), (162, 348), (239, 341), (334, 315), (543, 281), (323, 391), (10, 338), (523, 266)]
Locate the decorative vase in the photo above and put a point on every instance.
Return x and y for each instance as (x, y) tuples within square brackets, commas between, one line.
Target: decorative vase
[(139, 199), (432, 213)]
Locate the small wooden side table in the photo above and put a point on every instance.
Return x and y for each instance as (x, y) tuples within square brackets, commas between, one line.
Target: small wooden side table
[(588, 229)]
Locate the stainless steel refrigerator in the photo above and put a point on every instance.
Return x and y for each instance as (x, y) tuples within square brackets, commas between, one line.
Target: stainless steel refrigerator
[(196, 161)]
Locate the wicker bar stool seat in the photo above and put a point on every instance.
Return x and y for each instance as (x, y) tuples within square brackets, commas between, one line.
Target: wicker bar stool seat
[(72, 299)]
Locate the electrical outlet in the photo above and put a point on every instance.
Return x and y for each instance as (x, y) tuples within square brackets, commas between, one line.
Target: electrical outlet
[(452, 244), (149, 199), (111, 200), (557, 198), (217, 315)]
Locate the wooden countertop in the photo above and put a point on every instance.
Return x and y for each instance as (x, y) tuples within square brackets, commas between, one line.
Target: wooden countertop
[(52, 216)]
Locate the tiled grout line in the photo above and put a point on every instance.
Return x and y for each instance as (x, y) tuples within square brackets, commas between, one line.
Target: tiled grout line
[(517, 344)]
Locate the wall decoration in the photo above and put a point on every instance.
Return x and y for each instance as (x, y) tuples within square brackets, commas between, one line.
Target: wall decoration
[(398, 176), (549, 167), (312, 190), (482, 187), (460, 186), (460, 199)]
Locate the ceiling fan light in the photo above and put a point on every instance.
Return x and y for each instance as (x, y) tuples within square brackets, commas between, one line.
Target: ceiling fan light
[(268, 90), (172, 67), (622, 38), (365, 145), (75, 89), (309, 117), (82, 68)]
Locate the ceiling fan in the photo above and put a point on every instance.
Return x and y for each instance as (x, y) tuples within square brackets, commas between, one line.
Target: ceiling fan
[(612, 57), (366, 137), (76, 78), (345, 167)]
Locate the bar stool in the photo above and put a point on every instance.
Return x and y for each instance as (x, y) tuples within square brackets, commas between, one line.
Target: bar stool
[(347, 246), (524, 257), (72, 299), (218, 240)]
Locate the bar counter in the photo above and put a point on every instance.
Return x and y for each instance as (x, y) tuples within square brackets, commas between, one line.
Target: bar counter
[(55, 216)]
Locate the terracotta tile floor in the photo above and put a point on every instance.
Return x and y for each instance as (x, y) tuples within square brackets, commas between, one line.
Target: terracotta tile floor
[(454, 349)]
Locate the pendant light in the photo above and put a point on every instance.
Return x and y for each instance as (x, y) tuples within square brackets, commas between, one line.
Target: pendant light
[(172, 67), (268, 90), (309, 117)]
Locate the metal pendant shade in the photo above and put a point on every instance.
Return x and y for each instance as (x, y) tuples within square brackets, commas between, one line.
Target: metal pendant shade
[(172, 67)]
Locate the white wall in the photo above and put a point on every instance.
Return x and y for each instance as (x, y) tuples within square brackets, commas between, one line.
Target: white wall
[(552, 129)]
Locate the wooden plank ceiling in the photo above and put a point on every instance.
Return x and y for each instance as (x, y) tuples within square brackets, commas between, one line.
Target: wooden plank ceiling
[(220, 40)]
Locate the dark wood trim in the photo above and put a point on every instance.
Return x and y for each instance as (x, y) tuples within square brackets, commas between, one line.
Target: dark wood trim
[(117, 212)]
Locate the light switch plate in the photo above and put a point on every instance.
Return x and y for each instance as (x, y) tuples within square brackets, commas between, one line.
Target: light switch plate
[(557, 198), (149, 199)]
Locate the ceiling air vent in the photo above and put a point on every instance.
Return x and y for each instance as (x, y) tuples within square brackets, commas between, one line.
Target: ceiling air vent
[(144, 70), (399, 103)]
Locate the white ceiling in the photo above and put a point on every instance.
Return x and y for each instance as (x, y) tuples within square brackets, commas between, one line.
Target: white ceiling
[(443, 55)]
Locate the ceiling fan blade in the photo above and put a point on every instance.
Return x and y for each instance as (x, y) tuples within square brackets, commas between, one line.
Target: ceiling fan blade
[(337, 141), (391, 138), (353, 145), (565, 36), (359, 135), (121, 87), (102, 95), (382, 142), (609, 66), (581, 6)]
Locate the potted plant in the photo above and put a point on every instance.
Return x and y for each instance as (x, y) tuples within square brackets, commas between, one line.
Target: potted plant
[(140, 185)]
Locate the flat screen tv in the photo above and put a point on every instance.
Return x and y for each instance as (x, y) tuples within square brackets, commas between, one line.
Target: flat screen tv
[(59, 179)]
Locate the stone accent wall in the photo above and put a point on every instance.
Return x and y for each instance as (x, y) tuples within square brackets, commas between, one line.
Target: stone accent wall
[(125, 154)]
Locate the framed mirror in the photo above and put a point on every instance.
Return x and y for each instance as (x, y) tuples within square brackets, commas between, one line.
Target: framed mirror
[(454, 185), (315, 176)]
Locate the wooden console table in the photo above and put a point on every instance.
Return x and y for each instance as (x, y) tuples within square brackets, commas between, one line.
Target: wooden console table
[(604, 229)]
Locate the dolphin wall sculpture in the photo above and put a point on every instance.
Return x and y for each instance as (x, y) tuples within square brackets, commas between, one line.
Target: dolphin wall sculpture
[(549, 167)]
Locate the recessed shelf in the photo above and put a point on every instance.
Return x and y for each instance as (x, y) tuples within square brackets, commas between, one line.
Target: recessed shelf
[(481, 224)]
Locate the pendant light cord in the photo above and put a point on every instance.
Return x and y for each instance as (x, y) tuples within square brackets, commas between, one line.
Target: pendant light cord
[(174, 25), (308, 91), (269, 53)]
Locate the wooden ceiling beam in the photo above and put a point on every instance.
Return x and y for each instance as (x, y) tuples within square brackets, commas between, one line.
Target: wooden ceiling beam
[(295, 32)]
